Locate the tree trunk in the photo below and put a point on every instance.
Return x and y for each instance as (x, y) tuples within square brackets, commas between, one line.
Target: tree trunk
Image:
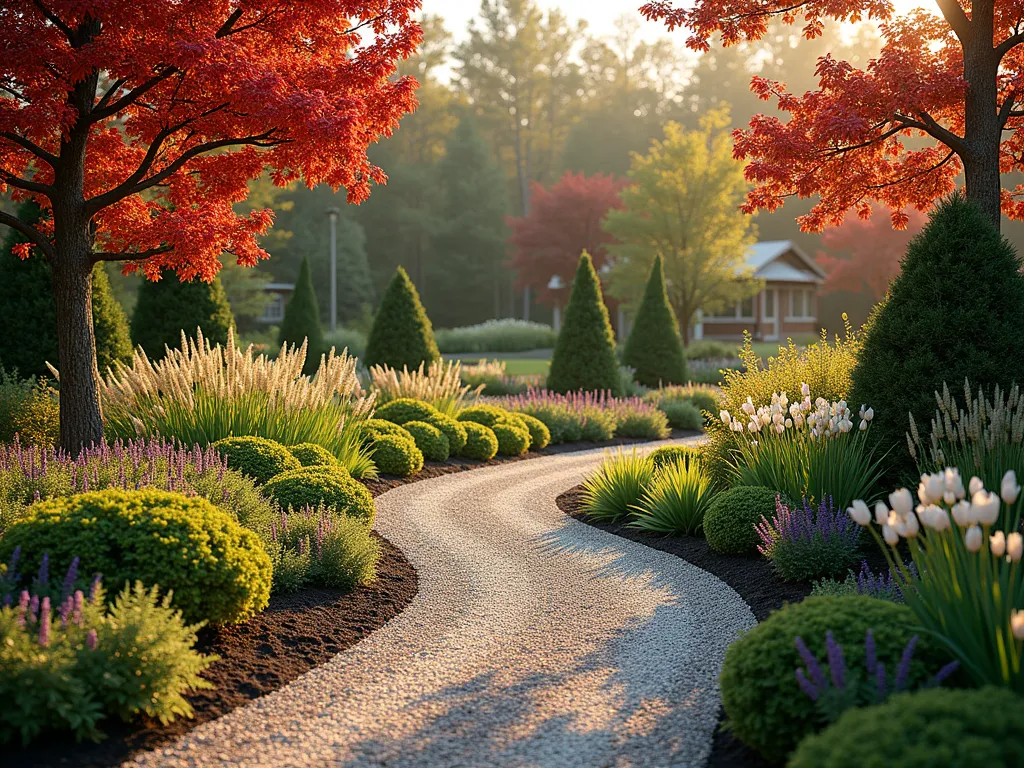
[(982, 129)]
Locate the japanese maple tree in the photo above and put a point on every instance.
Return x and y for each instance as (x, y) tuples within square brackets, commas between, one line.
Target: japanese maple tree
[(945, 95), (564, 220), (137, 125), (865, 253)]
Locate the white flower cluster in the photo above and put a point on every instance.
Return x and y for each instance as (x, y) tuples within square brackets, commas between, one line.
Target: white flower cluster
[(821, 418)]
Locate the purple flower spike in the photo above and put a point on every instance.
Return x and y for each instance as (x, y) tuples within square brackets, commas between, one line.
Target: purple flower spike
[(806, 685), (43, 579), (836, 663), (880, 685), (70, 578), (870, 656), (903, 672), (90, 640), (94, 588), (813, 668)]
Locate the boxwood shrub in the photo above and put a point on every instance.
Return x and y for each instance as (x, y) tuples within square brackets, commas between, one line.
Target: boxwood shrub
[(452, 429), (431, 441), (933, 727), (218, 570), (312, 455), (540, 435), (766, 708), (403, 409), (513, 440), (256, 457), (488, 415), (331, 486), (481, 442), (396, 455), (729, 523), (374, 428)]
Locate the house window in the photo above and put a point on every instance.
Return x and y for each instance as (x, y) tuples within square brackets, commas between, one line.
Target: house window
[(728, 312), (769, 304), (746, 308), (274, 313), (801, 303)]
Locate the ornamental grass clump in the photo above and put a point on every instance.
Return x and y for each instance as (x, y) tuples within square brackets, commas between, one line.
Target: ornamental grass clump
[(202, 393), (590, 416), (984, 438), (67, 666), (676, 500), (438, 383), (968, 586), (804, 450), (805, 543), (618, 486)]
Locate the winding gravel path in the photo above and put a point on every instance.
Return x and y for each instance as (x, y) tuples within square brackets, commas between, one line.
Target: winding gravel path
[(535, 640)]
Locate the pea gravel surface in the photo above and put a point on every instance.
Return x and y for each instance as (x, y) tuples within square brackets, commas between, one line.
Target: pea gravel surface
[(535, 640)]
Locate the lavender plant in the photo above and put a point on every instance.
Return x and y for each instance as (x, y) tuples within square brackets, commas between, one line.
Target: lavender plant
[(883, 586), (839, 690), (804, 543), (590, 416)]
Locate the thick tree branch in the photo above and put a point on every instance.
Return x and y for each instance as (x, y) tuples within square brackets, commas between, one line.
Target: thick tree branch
[(31, 146), (114, 88), (927, 124), (54, 19), (128, 256), (24, 184), (28, 231), (1006, 108), (956, 18), (1009, 44), (111, 109)]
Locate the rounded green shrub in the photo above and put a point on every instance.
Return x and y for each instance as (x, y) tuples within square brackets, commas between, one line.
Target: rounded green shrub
[(512, 440), (934, 727), (654, 348), (330, 486), (256, 457), (374, 428), (312, 455), (671, 454), (955, 311), (401, 335), (218, 570), (681, 414), (405, 409), (481, 442), (396, 455), (540, 435), (765, 707), (450, 428), (584, 357), (429, 439), (488, 415), (730, 519)]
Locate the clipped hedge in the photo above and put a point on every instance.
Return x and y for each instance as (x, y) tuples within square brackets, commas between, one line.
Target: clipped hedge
[(312, 455), (452, 429), (256, 457), (401, 335), (374, 428), (396, 455), (730, 519), (403, 409), (540, 435), (429, 439), (330, 486), (218, 570), (488, 415), (481, 442), (513, 440), (765, 707)]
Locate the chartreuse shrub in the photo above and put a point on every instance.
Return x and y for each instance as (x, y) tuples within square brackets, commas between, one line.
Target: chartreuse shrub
[(730, 522), (219, 572), (481, 442), (332, 487), (540, 435), (374, 428), (402, 336), (618, 486), (635, 418), (452, 429), (312, 455), (954, 312), (765, 707), (654, 349), (395, 455), (256, 457), (403, 409), (675, 500), (69, 664), (488, 415), (37, 418), (584, 356), (431, 441), (927, 728), (672, 454), (513, 440), (169, 310), (301, 323)]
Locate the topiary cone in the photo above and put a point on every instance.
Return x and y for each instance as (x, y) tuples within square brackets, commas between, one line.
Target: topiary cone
[(168, 306), (584, 356), (401, 333), (302, 320), (654, 348)]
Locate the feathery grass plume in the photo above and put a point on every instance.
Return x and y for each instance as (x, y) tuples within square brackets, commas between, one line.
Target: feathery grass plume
[(439, 384), (202, 393)]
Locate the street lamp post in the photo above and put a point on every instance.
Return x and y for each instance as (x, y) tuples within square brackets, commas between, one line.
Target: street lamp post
[(332, 214)]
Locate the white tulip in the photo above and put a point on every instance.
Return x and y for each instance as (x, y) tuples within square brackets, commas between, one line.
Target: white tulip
[(766, 417), (1009, 489), (869, 414), (1017, 624), (805, 404), (937, 518), (748, 407), (972, 539), (902, 502), (863, 424), (931, 488), (780, 428), (954, 483), (736, 426), (881, 513), (860, 513), (845, 426), (908, 527), (949, 497), (963, 514), (754, 426), (725, 417), (1014, 546), (892, 538), (997, 543), (805, 389), (975, 485), (985, 507)]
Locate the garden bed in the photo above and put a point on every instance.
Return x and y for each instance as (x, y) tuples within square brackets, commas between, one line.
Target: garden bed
[(751, 577)]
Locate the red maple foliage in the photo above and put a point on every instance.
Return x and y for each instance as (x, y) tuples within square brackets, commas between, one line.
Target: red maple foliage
[(562, 222), (944, 96), (137, 126), (865, 253)]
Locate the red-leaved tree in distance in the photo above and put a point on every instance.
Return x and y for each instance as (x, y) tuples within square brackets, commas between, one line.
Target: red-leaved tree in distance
[(137, 125), (865, 253), (955, 78), (563, 221)]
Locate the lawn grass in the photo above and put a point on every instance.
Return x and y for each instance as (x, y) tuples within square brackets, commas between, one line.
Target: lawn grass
[(514, 366)]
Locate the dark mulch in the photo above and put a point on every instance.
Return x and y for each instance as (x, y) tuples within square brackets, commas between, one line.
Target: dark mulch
[(752, 578)]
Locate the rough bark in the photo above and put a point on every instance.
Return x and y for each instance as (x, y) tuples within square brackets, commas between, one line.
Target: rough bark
[(982, 129)]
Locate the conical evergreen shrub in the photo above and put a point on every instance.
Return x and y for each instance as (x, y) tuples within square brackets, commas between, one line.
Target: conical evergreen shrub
[(654, 348), (28, 315), (955, 312), (584, 356), (166, 307), (401, 333), (302, 320)]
